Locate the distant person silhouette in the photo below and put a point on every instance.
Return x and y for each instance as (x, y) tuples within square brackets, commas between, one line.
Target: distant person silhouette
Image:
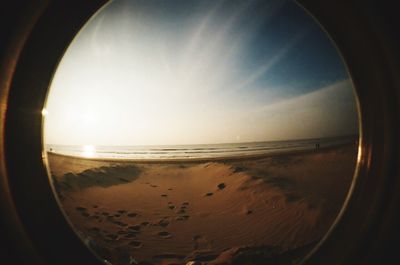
[(317, 146)]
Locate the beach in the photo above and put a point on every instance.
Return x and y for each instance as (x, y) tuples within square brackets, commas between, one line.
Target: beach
[(268, 209)]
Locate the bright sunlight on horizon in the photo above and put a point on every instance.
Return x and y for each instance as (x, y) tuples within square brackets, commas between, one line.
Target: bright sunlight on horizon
[(199, 72)]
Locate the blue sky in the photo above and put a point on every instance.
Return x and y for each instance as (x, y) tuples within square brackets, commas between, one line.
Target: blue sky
[(187, 72), (265, 27)]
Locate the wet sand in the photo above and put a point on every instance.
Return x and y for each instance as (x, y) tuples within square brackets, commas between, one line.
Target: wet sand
[(272, 208)]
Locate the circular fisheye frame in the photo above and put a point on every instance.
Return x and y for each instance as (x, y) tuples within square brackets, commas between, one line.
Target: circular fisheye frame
[(201, 132), (224, 133)]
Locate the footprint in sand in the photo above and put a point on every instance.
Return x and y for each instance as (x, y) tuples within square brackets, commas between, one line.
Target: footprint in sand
[(181, 211), (182, 217), (221, 186), (201, 242), (163, 223), (153, 186), (145, 223), (132, 215), (95, 206), (170, 189), (208, 194), (120, 223), (85, 214), (164, 195), (81, 209), (164, 234), (171, 206), (110, 218), (136, 244), (130, 235), (246, 211), (239, 169), (134, 228), (121, 211), (96, 217)]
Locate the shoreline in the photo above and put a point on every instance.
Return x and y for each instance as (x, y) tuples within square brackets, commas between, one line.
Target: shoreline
[(203, 159), (275, 206)]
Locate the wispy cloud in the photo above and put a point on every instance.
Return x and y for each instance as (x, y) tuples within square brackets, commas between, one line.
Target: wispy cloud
[(130, 78)]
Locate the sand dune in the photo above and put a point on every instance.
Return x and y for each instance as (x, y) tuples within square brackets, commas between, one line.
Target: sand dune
[(243, 211)]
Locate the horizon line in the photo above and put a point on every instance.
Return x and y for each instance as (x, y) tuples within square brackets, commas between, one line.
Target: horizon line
[(244, 142)]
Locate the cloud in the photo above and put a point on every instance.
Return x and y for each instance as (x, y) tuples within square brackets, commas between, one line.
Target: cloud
[(130, 78)]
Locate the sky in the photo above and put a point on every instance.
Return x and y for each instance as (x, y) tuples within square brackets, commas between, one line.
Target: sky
[(146, 72)]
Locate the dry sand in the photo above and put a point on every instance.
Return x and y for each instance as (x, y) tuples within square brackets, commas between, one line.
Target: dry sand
[(265, 210)]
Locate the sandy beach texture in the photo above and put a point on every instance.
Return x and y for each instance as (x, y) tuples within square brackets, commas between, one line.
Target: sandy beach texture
[(265, 210)]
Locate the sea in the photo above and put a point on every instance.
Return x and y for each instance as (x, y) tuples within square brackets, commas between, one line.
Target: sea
[(203, 151)]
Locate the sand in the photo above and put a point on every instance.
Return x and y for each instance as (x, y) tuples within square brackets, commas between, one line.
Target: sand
[(265, 210)]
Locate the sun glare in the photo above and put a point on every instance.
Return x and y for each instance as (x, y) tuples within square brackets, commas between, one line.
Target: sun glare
[(89, 151), (44, 112), (207, 81)]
